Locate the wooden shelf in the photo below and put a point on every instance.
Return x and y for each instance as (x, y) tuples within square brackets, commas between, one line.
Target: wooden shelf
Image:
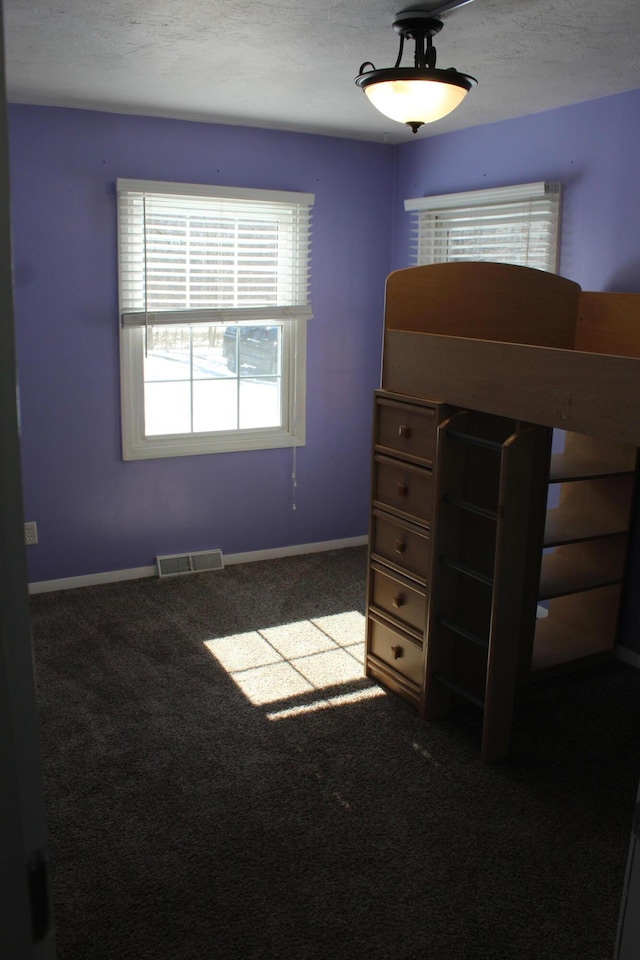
[(559, 645), (566, 466), (580, 567), (563, 527)]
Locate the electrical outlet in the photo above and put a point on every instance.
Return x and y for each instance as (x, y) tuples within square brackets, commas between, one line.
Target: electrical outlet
[(30, 533)]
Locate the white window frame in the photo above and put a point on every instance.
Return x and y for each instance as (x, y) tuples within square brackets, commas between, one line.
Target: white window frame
[(291, 312), (471, 226)]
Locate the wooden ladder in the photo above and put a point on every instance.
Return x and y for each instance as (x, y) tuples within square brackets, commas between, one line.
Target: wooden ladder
[(490, 491)]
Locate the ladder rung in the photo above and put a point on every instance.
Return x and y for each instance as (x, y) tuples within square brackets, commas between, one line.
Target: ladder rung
[(471, 507), (467, 571), (459, 690), (475, 441), (467, 634)]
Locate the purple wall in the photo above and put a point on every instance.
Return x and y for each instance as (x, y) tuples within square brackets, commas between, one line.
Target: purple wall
[(97, 513), (592, 149)]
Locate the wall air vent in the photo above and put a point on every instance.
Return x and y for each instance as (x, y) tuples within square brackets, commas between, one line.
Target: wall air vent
[(177, 564)]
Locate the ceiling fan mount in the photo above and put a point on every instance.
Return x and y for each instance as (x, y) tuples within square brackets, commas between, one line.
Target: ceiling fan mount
[(414, 23)]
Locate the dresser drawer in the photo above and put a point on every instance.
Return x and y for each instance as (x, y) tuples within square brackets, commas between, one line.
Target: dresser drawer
[(403, 488), (398, 598), (395, 649), (406, 429), (403, 545)]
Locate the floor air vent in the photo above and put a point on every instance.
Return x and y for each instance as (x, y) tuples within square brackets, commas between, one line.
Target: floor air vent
[(179, 563)]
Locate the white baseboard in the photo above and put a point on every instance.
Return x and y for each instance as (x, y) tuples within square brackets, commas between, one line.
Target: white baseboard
[(294, 551), (137, 573), (628, 656), (91, 579)]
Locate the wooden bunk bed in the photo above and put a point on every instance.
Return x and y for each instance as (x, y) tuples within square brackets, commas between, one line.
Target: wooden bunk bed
[(467, 544)]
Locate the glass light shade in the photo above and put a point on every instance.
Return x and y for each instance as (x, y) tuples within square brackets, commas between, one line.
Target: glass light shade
[(415, 101)]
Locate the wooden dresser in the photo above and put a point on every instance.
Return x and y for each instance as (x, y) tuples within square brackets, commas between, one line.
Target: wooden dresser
[(404, 450)]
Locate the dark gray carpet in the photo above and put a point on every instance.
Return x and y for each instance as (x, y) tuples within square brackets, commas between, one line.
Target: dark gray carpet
[(185, 824)]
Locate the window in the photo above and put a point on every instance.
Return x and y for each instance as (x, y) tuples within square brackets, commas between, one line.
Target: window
[(508, 224), (213, 307)]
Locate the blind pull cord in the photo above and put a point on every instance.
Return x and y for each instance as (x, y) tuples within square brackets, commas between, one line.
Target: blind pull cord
[(146, 296), (294, 478)]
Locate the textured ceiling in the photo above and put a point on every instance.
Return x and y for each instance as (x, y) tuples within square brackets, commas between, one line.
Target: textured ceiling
[(290, 64)]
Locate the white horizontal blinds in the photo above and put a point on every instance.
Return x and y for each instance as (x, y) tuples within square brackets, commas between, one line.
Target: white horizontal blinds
[(508, 225), (212, 255)]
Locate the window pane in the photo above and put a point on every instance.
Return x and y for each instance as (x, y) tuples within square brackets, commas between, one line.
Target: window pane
[(259, 402), (208, 358), (168, 354), (259, 348), (215, 405), (167, 408), (253, 350)]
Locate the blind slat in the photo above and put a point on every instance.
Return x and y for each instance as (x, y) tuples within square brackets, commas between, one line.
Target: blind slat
[(216, 316)]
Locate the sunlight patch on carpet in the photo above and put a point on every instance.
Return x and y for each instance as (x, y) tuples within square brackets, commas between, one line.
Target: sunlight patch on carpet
[(296, 660), (355, 696)]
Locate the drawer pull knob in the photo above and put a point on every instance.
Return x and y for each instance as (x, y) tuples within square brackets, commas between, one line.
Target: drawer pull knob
[(403, 490), (397, 652), (398, 600), (400, 546), (404, 431)]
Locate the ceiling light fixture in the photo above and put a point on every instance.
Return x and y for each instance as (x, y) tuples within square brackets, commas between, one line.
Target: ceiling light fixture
[(422, 93)]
